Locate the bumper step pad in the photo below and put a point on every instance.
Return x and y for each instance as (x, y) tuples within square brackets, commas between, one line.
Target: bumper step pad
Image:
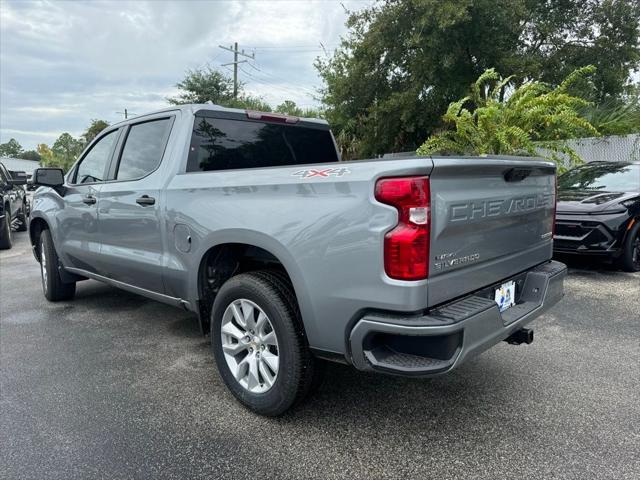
[(384, 357)]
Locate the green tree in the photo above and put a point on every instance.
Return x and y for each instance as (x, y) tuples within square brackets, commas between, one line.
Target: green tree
[(209, 85), (615, 117), (65, 151), (30, 155), (46, 155), (202, 86), (289, 107), (10, 149), (248, 102), (498, 119), (404, 61), (93, 130)]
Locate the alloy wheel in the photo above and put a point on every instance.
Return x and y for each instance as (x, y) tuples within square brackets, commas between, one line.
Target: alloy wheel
[(250, 345)]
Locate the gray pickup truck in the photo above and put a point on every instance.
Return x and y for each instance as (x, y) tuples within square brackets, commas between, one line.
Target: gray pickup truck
[(289, 256)]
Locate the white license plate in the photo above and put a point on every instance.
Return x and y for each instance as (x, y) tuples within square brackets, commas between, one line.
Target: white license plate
[(506, 295)]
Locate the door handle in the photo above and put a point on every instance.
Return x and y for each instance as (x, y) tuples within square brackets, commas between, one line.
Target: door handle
[(89, 200), (145, 200)]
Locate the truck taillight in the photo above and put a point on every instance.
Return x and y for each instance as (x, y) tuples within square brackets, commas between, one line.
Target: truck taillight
[(406, 246)]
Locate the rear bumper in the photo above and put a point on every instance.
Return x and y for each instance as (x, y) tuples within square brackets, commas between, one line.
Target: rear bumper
[(446, 336)]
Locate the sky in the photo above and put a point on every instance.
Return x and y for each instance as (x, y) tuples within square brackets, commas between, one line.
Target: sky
[(64, 63)]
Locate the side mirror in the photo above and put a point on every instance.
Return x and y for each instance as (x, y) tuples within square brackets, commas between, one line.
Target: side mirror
[(48, 177), (18, 178)]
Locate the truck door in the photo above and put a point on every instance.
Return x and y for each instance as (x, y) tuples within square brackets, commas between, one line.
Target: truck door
[(78, 238), (129, 206)]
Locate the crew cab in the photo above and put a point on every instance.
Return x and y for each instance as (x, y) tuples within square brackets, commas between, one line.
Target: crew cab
[(14, 206), (289, 256)]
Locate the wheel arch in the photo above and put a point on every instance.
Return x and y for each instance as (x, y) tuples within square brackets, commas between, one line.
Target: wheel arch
[(36, 226), (232, 254)]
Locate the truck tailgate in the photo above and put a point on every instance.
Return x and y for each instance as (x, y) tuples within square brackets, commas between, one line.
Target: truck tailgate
[(491, 218)]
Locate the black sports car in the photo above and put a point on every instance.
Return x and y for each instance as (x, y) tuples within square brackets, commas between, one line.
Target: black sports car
[(598, 212)]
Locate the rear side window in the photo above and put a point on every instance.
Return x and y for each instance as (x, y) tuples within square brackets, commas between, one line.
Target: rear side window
[(143, 149), (221, 144), (92, 167)]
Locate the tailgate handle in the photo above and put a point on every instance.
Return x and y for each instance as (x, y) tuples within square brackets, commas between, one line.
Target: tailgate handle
[(516, 174)]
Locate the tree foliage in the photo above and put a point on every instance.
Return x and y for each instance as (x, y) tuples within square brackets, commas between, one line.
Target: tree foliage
[(65, 150), (499, 118), (46, 155), (615, 117), (92, 131), (209, 85), (12, 148), (202, 86), (289, 107), (30, 155), (404, 61)]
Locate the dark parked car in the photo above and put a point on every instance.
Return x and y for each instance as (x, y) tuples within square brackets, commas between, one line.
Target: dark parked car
[(13, 204), (598, 212)]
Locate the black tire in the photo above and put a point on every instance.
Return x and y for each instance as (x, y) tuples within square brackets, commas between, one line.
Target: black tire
[(630, 259), (298, 370), (5, 232), (23, 219), (53, 287)]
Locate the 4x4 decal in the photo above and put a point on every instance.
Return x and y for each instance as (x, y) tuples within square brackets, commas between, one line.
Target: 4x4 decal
[(326, 172)]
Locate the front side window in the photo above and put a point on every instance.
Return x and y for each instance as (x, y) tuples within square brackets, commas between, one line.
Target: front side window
[(222, 144), (143, 149), (92, 167)]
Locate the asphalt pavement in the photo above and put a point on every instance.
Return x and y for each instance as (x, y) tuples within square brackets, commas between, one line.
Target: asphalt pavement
[(112, 385)]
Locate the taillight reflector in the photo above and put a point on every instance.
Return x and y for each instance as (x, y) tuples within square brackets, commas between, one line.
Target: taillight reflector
[(406, 246)]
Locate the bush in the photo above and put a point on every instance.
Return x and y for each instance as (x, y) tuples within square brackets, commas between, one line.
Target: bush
[(503, 119)]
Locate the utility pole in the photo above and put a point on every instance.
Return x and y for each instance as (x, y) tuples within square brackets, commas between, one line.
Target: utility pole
[(234, 50), (125, 113)]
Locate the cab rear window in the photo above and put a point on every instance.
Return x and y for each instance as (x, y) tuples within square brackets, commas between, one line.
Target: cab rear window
[(224, 144)]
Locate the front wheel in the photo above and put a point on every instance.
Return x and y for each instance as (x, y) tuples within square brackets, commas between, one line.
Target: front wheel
[(630, 260), (259, 345), (53, 287)]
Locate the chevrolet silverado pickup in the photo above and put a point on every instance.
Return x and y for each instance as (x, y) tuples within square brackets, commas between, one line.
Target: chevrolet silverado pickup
[(289, 256)]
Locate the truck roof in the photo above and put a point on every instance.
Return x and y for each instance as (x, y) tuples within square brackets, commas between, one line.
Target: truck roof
[(193, 108)]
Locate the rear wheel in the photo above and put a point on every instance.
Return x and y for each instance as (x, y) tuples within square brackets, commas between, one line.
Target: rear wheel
[(53, 287), (23, 219), (259, 344), (5, 231), (630, 260)]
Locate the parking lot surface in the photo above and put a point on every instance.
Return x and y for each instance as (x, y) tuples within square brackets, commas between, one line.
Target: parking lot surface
[(112, 385)]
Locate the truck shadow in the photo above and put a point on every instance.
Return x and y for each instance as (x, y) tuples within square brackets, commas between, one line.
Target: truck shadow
[(461, 398), (371, 399)]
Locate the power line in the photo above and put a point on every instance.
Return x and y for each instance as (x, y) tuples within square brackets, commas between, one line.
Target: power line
[(289, 91), (276, 77), (292, 90)]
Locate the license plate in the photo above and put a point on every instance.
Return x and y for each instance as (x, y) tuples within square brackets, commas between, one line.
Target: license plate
[(506, 295)]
